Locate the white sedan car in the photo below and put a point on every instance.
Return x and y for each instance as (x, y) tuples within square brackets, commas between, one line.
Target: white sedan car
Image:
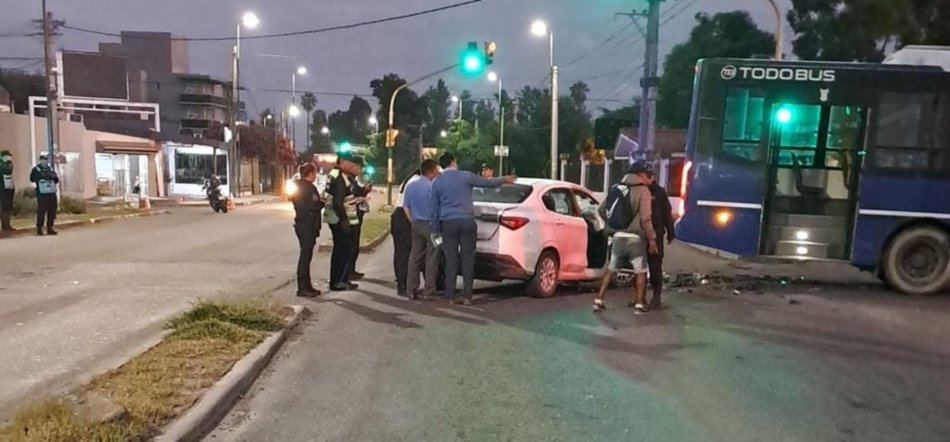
[(542, 231)]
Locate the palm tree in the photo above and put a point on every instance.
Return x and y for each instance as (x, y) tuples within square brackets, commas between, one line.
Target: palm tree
[(309, 102)]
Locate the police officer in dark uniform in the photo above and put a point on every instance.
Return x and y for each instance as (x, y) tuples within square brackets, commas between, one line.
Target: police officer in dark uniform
[(341, 225), (359, 190), (663, 225), (46, 181), (307, 205), (6, 192)]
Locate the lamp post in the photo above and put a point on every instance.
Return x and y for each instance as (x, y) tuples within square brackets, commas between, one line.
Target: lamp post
[(294, 113), (250, 21), (493, 77), (457, 99), (778, 30), (389, 149), (540, 28)]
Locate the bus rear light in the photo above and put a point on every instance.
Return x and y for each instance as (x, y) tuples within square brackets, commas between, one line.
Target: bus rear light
[(513, 222)]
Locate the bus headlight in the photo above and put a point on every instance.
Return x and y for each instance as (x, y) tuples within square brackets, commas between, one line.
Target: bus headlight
[(722, 218), (290, 188)]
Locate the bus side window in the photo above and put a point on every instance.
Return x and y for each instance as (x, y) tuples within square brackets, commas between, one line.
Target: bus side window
[(742, 124), (905, 127)]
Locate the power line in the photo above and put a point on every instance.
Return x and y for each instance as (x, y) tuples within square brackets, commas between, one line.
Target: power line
[(296, 33)]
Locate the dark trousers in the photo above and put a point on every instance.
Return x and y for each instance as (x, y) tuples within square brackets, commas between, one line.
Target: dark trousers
[(458, 246), (341, 259), (307, 236), (356, 232), (45, 210), (402, 244), (6, 209), (656, 270), (423, 257)]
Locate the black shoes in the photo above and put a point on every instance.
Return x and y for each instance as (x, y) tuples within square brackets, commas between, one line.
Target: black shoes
[(50, 231), (39, 231), (356, 276), (344, 286), (308, 293), (402, 291)]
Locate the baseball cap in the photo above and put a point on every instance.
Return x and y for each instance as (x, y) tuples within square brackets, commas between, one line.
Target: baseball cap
[(359, 161), (641, 166)]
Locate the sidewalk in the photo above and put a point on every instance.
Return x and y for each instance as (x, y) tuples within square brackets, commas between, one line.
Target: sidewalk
[(240, 201)]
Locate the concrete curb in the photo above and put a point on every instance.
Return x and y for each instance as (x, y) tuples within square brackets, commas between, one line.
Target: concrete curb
[(205, 415), (65, 225), (367, 248)]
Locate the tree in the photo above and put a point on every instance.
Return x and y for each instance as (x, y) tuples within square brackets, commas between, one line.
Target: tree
[(728, 34), (309, 103), (21, 85), (865, 30), (437, 100), (410, 111), (319, 142)]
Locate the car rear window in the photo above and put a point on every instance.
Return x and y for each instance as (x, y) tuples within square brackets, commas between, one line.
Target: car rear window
[(507, 194)]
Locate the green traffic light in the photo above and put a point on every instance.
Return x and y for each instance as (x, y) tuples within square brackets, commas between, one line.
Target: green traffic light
[(369, 170), (345, 147), (473, 60)]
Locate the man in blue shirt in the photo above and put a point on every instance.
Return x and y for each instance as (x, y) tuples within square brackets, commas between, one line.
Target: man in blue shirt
[(418, 206), (453, 217)]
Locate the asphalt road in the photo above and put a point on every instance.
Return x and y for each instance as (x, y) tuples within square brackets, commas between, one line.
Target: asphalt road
[(79, 304), (771, 363)]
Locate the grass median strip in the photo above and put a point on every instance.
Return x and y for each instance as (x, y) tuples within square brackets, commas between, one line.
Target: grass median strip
[(158, 385)]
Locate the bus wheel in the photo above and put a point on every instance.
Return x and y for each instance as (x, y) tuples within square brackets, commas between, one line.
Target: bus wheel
[(917, 261)]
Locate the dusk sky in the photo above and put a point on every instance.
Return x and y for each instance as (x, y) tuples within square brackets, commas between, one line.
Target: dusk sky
[(345, 61)]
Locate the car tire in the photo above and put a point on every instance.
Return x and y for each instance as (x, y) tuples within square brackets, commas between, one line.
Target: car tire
[(917, 261), (544, 283)]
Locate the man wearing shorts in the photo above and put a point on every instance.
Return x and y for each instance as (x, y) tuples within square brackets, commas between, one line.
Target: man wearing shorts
[(631, 245)]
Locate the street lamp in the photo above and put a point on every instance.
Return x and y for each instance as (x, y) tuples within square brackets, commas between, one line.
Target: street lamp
[(250, 21), (375, 123), (294, 111), (540, 29), (325, 130), (778, 29), (493, 77), (457, 99), (444, 134)]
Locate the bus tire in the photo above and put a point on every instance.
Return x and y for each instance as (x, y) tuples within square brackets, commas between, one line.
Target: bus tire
[(917, 261)]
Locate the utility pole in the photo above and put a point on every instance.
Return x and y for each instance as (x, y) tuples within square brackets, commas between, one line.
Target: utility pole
[(649, 81), (52, 94)]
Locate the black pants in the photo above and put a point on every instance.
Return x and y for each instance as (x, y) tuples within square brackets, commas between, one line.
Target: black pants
[(307, 236), (6, 209), (458, 246), (656, 270), (356, 233), (402, 245), (341, 259), (45, 210)]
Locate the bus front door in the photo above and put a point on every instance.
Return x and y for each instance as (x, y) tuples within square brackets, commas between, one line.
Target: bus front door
[(813, 170)]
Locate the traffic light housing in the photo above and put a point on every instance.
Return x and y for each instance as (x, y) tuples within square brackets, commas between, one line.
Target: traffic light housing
[(391, 135), (490, 47)]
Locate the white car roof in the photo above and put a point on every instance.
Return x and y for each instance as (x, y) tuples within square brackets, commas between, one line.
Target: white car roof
[(545, 182)]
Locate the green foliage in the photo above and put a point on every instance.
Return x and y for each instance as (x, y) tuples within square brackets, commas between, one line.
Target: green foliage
[(246, 315), (22, 85), (728, 34), (75, 206), (865, 30), (24, 202)]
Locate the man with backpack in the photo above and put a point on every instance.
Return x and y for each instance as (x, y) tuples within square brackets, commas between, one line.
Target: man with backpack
[(628, 213)]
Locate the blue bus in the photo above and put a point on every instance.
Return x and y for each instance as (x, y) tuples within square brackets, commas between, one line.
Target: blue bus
[(814, 160)]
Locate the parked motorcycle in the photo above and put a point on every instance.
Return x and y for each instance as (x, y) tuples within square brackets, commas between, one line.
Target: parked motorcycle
[(217, 200)]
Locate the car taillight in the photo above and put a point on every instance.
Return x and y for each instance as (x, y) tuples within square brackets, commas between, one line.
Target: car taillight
[(684, 186), (513, 222)]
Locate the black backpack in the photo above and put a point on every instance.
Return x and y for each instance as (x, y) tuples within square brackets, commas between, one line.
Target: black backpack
[(619, 212)]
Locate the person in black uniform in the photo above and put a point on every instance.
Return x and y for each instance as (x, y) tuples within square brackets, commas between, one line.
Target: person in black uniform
[(341, 225), (6, 192), (46, 181), (307, 206), (360, 191), (663, 225)]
